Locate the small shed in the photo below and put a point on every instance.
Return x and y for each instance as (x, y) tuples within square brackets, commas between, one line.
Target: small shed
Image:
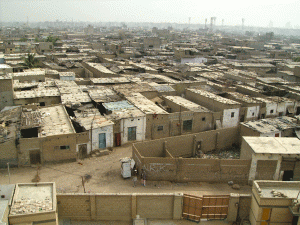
[(272, 158)]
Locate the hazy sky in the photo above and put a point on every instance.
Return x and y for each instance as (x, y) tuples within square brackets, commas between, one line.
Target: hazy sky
[(255, 12)]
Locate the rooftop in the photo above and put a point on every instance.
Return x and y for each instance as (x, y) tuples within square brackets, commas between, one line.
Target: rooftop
[(121, 110), (91, 118), (274, 145), (103, 94), (244, 98), (144, 104), (187, 104), (266, 188), (100, 67), (128, 89), (33, 198), (110, 80), (214, 97), (55, 121)]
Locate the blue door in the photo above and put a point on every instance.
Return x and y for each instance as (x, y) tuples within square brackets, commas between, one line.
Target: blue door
[(131, 133), (102, 140)]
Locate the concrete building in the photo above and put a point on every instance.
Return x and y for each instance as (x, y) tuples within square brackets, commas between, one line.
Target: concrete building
[(47, 135), (157, 119), (29, 76), (100, 129), (98, 70), (34, 204), (201, 120), (250, 109), (44, 47), (71, 94), (129, 122), (274, 202), (5, 69), (10, 120), (272, 158), (42, 95), (152, 42), (6, 91), (228, 109)]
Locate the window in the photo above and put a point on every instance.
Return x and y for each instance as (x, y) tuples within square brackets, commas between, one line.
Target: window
[(64, 147), (187, 124), (271, 111), (203, 118), (232, 114), (160, 128)]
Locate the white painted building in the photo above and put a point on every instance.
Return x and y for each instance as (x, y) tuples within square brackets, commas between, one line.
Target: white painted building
[(230, 109), (130, 122), (100, 129)]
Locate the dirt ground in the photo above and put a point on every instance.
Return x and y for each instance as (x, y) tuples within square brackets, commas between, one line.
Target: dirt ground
[(106, 178)]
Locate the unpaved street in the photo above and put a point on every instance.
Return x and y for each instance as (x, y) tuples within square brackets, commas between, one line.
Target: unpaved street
[(106, 178)]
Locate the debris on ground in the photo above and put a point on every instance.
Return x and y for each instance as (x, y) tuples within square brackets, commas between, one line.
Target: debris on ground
[(236, 187), (226, 154)]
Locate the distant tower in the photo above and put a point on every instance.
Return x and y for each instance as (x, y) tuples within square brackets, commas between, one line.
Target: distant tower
[(222, 22), (205, 22), (243, 23), (189, 20), (27, 21), (271, 24), (212, 22)]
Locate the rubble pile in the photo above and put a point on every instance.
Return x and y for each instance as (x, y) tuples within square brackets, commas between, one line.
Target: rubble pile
[(278, 194), (27, 206), (228, 154)]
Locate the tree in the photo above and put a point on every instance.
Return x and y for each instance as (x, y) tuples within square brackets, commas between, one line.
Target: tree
[(297, 59), (52, 39), (30, 61)]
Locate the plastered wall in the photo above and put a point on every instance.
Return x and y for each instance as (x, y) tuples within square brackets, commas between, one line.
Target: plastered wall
[(167, 159), (123, 207)]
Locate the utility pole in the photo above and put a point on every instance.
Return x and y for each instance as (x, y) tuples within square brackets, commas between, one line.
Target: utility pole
[(83, 184), (8, 172)]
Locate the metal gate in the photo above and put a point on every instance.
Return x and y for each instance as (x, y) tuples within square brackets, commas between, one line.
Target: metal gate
[(206, 207)]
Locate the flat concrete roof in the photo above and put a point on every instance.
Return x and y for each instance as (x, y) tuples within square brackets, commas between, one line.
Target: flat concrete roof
[(214, 97), (289, 188), (187, 104), (33, 198), (55, 121), (91, 119), (145, 105), (274, 145)]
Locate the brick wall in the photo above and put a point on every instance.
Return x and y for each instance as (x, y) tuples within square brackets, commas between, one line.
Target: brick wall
[(26, 145), (163, 159), (124, 207), (196, 170), (183, 146), (8, 152)]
